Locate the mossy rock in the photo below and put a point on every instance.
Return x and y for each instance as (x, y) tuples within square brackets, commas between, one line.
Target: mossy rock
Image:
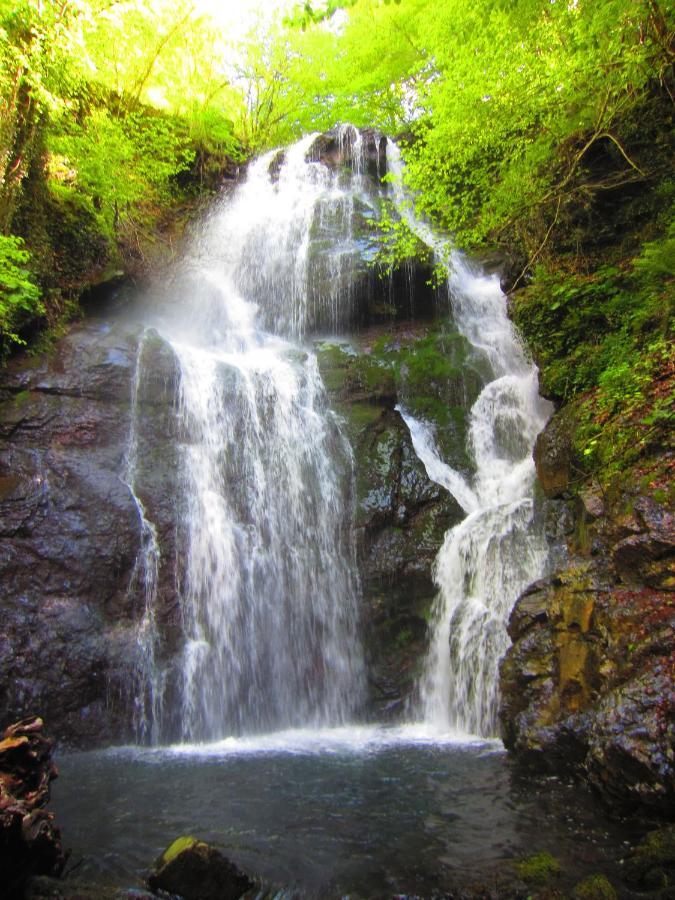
[(197, 871), (595, 887), (652, 862), (541, 868)]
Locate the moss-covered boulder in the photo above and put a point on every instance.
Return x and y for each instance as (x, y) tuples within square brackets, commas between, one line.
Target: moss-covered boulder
[(195, 870), (595, 887), (538, 869), (651, 863)]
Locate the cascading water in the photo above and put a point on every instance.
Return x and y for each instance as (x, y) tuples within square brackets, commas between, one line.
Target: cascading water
[(270, 587), (497, 550), (149, 687)]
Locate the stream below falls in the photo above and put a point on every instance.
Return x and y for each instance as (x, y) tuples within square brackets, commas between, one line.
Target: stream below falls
[(361, 811)]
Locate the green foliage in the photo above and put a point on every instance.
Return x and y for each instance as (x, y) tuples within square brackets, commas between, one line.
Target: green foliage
[(630, 413), (503, 106), (654, 271), (109, 114), (396, 242), (19, 295), (78, 245), (590, 330), (148, 148)]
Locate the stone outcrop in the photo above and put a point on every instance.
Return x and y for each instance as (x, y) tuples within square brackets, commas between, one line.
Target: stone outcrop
[(650, 865), (30, 842), (70, 529), (589, 683), (401, 519)]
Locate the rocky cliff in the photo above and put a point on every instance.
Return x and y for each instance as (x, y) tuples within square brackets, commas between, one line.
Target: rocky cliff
[(71, 529), (589, 683), (71, 532)]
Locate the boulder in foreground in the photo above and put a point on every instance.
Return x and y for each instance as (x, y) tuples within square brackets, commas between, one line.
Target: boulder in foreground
[(196, 871)]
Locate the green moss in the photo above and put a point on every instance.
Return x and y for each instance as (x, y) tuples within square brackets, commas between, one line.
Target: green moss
[(372, 375), (384, 450), (20, 398), (595, 887), (602, 338), (77, 235), (428, 374), (359, 416), (179, 846), (403, 637), (652, 862), (539, 868)]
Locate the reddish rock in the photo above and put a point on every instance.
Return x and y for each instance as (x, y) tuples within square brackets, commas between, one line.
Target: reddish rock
[(589, 683)]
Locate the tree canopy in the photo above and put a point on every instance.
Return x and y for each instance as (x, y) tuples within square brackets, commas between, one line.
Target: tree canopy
[(513, 114)]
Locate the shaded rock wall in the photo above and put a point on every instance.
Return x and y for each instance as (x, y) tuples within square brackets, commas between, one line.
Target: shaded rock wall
[(70, 524), (70, 531), (589, 683)]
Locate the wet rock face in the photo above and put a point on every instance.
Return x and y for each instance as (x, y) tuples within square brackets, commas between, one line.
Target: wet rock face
[(401, 520), (350, 292), (553, 455), (30, 842), (589, 683), (336, 147), (70, 531)]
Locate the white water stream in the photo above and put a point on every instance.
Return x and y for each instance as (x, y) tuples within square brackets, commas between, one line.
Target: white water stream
[(497, 550), (269, 586)]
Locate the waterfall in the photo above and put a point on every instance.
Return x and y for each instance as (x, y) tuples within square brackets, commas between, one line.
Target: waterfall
[(266, 563), (497, 550), (268, 582), (148, 690)]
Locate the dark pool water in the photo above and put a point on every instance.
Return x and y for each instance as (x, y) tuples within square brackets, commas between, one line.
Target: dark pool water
[(370, 813)]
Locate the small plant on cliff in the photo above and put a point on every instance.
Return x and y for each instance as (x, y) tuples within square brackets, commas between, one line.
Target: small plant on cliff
[(396, 243), (19, 295)]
